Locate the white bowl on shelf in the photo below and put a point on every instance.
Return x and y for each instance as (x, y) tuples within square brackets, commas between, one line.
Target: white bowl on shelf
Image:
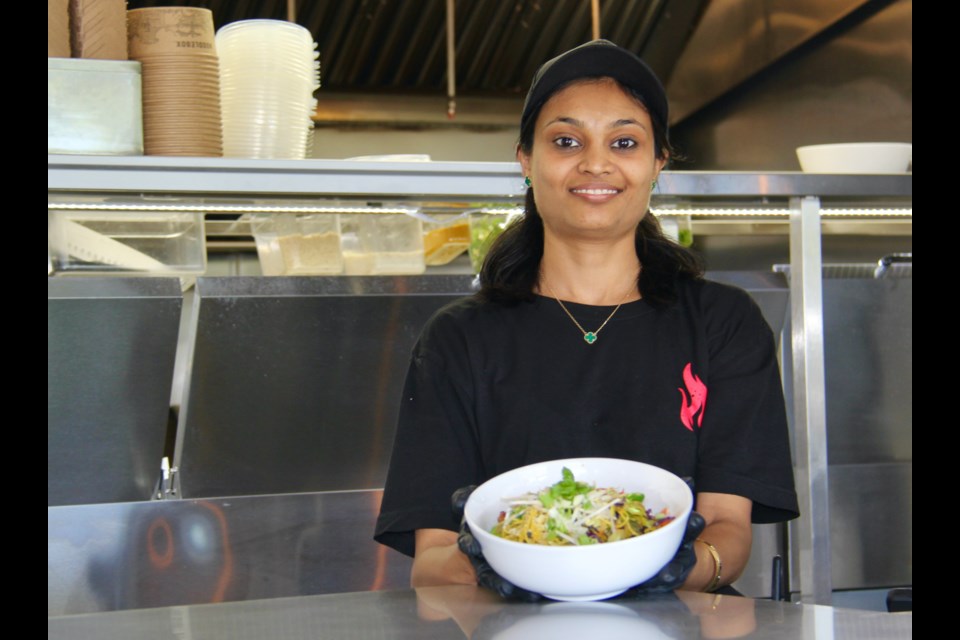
[(587, 572), (856, 157)]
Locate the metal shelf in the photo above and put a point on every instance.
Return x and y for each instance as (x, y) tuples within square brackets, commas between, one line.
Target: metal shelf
[(463, 180)]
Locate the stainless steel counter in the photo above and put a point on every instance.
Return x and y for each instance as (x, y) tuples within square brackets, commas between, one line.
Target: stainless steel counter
[(470, 612)]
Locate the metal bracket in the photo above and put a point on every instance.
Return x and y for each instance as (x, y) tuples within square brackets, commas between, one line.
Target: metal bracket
[(167, 485)]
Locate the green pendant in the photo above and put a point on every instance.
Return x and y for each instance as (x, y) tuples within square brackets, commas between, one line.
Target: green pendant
[(590, 337)]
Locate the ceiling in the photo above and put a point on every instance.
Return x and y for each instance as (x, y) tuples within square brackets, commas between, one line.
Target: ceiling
[(399, 46)]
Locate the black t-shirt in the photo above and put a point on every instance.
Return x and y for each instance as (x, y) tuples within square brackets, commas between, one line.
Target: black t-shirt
[(694, 388)]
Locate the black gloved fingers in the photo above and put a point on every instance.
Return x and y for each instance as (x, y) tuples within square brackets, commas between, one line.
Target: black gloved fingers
[(459, 499), (695, 526), (490, 579), (670, 577), (487, 577), (522, 595), (675, 573), (467, 543)]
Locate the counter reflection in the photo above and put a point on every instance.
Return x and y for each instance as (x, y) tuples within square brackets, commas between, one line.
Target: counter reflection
[(453, 613), (481, 615)]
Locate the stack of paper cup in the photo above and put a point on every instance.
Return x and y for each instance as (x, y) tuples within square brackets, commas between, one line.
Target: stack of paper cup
[(58, 28), (269, 70), (181, 80), (99, 29)]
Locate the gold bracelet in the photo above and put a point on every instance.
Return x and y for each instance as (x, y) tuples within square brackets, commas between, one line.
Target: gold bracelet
[(717, 563)]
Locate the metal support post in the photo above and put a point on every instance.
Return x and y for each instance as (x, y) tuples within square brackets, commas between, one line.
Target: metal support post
[(812, 531)]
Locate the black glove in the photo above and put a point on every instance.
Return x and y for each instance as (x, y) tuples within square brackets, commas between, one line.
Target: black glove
[(486, 576), (674, 573)]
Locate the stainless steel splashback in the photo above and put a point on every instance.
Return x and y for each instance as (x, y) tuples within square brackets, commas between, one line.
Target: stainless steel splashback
[(111, 344), (137, 555), (868, 357), (868, 348), (295, 383)]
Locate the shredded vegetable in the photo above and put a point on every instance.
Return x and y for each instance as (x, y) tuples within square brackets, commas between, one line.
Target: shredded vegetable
[(575, 513)]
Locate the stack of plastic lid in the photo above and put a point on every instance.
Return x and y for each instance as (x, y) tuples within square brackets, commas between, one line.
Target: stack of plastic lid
[(269, 70), (181, 80)]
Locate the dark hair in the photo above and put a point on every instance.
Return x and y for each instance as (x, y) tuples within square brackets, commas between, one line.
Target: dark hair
[(511, 268)]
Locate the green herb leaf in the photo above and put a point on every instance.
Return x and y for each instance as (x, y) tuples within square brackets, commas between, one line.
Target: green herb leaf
[(568, 488)]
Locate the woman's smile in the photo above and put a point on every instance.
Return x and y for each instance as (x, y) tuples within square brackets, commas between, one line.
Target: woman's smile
[(596, 192)]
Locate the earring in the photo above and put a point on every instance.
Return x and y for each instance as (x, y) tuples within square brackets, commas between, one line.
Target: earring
[(526, 181), (653, 185)]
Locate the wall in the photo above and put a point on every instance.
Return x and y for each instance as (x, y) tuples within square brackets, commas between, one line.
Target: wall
[(849, 82), (794, 73), (442, 144)]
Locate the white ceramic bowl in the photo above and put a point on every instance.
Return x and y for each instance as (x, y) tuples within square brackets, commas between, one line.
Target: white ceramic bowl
[(859, 157), (589, 572)]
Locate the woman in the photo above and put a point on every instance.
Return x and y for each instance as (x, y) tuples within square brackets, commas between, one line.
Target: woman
[(592, 335)]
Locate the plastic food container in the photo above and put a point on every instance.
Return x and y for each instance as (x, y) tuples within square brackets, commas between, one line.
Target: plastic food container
[(94, 107), (382, 244), (269, 70), (294, 244), (484, 229), (445, 239), (147, 243)]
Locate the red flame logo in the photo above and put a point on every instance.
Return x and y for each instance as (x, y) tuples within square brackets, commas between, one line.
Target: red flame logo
[(695, 401)]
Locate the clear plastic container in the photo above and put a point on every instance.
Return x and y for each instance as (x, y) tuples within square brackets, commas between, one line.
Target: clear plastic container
[(149, 243), (290, 244), (445, 239), (484, 229), (677, 228), (382, 244)]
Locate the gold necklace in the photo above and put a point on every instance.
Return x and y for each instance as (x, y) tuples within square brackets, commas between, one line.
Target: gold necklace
[(588, 336)]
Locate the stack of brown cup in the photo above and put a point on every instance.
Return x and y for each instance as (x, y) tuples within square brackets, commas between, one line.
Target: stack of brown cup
[(181, 80), (58, 28), (99, 29)]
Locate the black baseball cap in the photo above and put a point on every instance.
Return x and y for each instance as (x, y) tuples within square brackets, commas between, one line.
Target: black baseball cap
[(597, 59)]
